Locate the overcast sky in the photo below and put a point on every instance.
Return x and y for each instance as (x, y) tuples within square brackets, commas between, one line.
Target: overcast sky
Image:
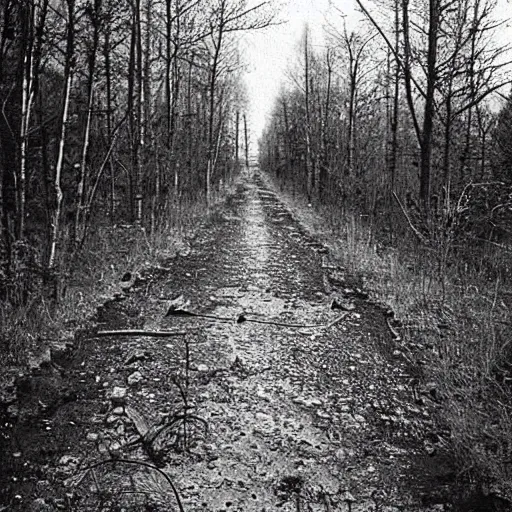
[(269, 52)]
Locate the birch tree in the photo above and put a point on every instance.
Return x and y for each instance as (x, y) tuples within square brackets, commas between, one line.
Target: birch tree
[(69, 68)]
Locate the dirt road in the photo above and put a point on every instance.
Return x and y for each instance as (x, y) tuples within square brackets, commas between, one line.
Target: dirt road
[(299, 408)]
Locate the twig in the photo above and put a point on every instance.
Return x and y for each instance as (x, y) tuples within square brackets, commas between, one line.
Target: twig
[(495, 299), (136, 332), (336, 320), (140, 463), (415, 230), (496, 244), (96, 483), (393, 330)]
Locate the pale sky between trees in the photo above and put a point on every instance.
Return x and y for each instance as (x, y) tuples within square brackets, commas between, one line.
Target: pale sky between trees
[(270, 52)]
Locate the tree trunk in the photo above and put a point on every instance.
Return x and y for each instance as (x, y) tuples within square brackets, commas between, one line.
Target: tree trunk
[(168, 66), (108, 80), (190, 144), (309, 167), (131, 112), (80, 194), (471, 75), (237, 137), (139, 160), (287, 142), (28, 21), (34, 26), (46, 172), (324, 159), (396, 105), (428, 114), (68, 78), (447, 148), (211, 111), (246, 142), (351, 124), (407, 69)]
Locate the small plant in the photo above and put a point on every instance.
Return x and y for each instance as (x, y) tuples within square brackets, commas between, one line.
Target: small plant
[(176, 432), (152, 481), (183, 428)]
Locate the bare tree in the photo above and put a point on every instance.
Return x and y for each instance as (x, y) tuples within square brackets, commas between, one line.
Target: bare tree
[(226, 17), (69, 66), (93, 13)]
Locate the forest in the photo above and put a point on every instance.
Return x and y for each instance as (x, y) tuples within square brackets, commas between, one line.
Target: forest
[(124, 124), (398, 132), (114, 114)]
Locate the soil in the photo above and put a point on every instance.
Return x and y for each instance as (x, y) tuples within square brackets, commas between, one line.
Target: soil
[(310, 404)]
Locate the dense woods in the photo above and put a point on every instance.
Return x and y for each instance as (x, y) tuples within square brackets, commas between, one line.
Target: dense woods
[(397, 132), (401, 115), (112, 112)]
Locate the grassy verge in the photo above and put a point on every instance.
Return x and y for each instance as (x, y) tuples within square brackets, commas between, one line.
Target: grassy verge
[(455, 327), (29, 328)]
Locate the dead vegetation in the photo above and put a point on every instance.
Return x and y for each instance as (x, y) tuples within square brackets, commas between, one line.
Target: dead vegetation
[(454, 325)]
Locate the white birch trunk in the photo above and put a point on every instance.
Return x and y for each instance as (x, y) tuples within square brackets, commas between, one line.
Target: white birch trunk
[(79, 215), (55, 227)]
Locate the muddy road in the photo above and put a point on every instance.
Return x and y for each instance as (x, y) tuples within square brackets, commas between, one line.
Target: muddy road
[(301, 405)]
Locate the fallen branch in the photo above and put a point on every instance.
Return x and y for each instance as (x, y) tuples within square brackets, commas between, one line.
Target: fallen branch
[(137, 332), (415, 230), (337, 320), (242, 319)]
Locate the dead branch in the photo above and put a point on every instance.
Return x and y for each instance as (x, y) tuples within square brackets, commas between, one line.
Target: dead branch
[(496, 244), (337, 320), (415, 230), (242, 319), (394, 332), (137, 332)]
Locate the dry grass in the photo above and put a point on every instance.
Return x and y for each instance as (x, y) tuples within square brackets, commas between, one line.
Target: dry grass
[(29, 325), (458, 323), (22, 329), (113, 251)]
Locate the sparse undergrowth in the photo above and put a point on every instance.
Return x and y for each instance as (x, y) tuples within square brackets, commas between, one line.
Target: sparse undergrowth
[(31, 322), (454, 327), (95, 275)]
